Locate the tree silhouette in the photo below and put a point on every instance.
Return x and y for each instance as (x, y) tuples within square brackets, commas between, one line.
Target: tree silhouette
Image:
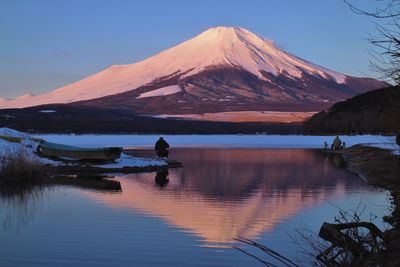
[(386, 40)]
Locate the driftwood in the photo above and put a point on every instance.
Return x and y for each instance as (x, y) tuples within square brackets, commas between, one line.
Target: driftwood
[(342, 243)]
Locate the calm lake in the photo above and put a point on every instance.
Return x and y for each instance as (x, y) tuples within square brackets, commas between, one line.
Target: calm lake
[(188, 217)]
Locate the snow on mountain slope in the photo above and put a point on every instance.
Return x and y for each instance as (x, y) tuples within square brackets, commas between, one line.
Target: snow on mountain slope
[(168, 90), (226, 46), (4, 101)]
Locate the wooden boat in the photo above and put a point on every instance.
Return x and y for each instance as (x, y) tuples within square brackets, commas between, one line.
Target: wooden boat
[(79, 153), (11, 139)]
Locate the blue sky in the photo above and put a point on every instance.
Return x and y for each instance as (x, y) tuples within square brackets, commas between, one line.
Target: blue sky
[(45, 44)]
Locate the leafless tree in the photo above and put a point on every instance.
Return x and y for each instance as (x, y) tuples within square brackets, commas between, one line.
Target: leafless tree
[(386, 40)]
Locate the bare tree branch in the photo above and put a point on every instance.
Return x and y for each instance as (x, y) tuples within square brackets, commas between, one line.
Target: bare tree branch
[(386, 55)]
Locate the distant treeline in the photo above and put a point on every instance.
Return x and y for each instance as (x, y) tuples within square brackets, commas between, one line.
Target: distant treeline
[(375, 112)]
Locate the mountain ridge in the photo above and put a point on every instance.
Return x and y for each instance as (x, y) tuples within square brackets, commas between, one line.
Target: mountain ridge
[(222, 69)]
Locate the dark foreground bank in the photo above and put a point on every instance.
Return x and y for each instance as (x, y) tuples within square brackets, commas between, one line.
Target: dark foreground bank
[(380, 168)]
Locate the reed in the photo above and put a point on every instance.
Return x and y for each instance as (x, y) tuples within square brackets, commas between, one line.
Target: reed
[(19, 164)]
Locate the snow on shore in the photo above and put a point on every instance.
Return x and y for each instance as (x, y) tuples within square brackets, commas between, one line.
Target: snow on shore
[(129, 161), (13, 133), (28, 146)]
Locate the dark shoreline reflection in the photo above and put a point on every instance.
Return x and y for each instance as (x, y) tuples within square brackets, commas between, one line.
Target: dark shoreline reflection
[(224, 193), (21, 199), (337, 160)]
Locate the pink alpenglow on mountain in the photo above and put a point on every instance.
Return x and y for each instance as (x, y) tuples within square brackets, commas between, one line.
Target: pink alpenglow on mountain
[(224, 69)]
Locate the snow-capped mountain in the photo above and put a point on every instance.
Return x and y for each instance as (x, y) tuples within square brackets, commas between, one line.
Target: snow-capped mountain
[(223, 69)]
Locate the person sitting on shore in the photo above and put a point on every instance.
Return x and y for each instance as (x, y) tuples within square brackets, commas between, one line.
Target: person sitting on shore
[(161, 148), (337, 143)]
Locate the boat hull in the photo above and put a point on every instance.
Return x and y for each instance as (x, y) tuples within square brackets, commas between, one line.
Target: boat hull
[(79, 153)]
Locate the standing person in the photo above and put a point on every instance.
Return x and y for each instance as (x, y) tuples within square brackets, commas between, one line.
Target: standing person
[(161, 148), (325, 146)]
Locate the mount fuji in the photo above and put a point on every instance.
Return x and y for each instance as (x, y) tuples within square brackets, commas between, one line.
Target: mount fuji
[(225, 73)]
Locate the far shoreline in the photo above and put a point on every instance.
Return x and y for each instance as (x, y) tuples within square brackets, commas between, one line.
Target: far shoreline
[(212, 141)]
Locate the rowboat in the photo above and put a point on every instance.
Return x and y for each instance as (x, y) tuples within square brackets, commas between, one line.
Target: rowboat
[(18, 140), (79, 153)]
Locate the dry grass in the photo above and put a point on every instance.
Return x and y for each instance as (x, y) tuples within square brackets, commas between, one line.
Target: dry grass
[(20, 165), (249, 116)]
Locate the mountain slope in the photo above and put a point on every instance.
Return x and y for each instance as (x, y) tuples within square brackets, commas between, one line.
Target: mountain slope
[(377, 111), (222, 69)]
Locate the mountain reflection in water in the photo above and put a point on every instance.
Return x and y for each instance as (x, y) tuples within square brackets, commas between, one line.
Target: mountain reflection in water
[(224, 193)]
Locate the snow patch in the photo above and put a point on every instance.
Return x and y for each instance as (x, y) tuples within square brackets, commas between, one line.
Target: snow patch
[(13, 133), (47, 111), (27, 146), (129, 161), (168, 90)]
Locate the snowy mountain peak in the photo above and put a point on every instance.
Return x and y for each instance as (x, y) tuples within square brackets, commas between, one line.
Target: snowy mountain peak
[(227, 47), (225, 35), (241, 48)]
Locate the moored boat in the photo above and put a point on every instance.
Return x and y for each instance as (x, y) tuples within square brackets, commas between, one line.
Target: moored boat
[(79, 153)]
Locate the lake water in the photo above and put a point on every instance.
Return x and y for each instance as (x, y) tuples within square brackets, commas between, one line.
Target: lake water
[(188, 217)]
